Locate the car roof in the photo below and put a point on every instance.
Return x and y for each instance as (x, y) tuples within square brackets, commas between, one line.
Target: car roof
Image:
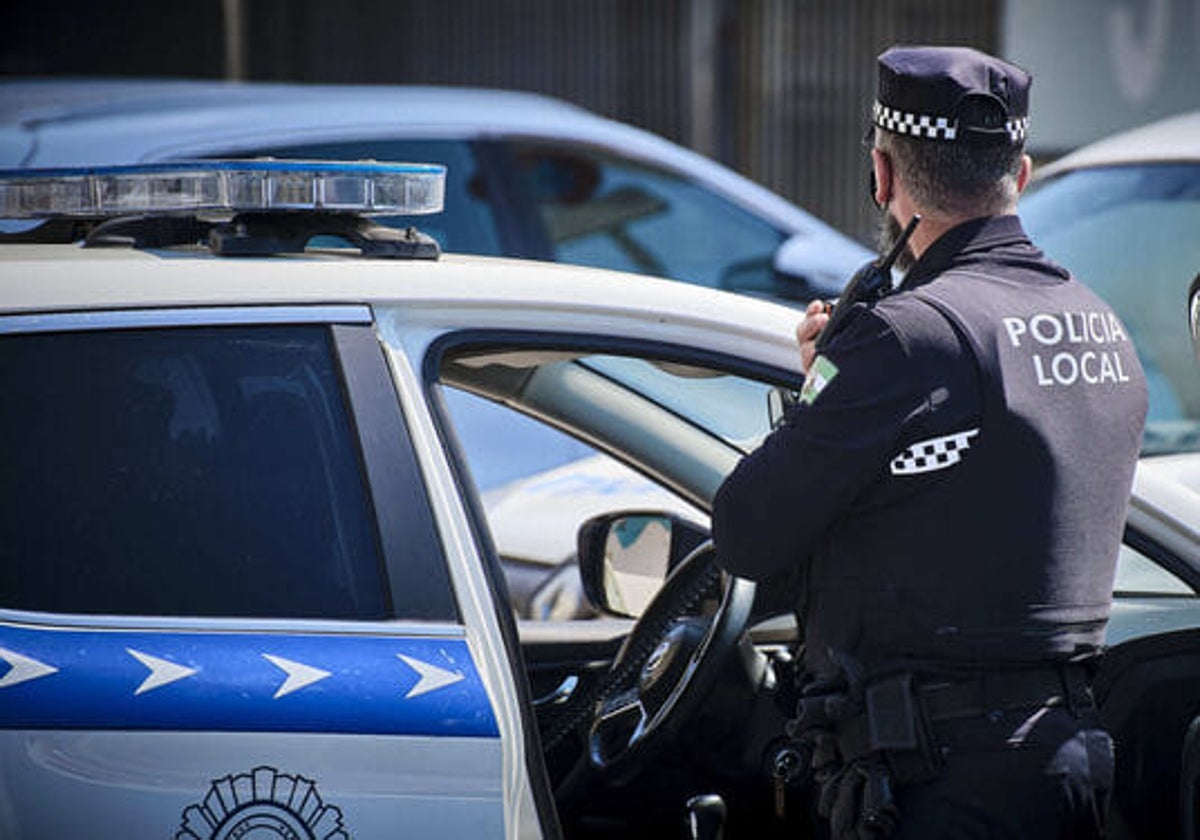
[(55, 106), (39, 278), (1181, 470), (1169, 487), (1169, 140)]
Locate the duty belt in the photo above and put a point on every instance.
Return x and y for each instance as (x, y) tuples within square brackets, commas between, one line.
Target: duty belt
[(899, 710), (1065, 685), (863, 739)]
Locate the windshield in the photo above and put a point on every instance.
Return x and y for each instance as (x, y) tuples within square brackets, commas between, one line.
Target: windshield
[(1132, 233)]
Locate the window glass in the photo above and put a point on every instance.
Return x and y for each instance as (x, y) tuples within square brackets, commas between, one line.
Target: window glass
[(183, 472), (555, 483), (1130, 233), (529, 447), (602, 211), (1139, 575), (467, 225)]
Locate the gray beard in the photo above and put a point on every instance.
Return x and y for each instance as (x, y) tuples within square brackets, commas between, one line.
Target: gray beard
[(889, 234)]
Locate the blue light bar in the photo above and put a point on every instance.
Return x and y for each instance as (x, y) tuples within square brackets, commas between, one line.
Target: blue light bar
[(223, 187)]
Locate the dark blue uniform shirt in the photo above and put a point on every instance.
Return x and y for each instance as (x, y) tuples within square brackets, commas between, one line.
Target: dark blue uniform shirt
[(951, 488)]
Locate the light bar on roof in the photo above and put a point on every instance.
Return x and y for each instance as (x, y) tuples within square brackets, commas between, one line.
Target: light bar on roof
[(223, 187)]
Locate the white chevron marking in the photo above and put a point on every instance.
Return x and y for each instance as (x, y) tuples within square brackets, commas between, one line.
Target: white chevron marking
[(22, 668), (432, 677), (162, 672), (299, 675)]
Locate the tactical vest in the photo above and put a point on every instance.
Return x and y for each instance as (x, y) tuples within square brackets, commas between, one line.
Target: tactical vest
[(993, 542)]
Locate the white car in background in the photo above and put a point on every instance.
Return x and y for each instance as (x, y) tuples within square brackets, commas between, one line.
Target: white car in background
[(528, 176), (1124, 215)]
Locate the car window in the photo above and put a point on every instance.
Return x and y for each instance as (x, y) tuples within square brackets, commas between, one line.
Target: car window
[(1137, 574), (529, 447), (1130, 233), (537, 489), (467, 225), (183, 472), (606, 212)]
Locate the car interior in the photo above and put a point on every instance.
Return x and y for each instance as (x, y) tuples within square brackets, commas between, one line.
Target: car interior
[(626, 752), (657, 413)]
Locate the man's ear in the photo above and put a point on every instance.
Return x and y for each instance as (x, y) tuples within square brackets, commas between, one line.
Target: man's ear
[(882, 165), (1023, 175)]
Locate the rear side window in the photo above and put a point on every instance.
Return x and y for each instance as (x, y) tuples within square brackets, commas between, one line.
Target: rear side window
[(606, 212), (189, 472)]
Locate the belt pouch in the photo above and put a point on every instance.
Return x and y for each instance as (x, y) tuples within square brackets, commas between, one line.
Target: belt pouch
[(898, 728)]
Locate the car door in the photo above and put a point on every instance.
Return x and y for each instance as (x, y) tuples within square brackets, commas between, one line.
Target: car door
[(1148, 683), (225, 607), (1148, 691)]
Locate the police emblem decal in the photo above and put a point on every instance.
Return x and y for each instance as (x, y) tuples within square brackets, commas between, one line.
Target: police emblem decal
[(934, 454), (819, 375), (264, 804)]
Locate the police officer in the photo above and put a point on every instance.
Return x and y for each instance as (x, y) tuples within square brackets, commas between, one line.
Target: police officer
[(948, 494)]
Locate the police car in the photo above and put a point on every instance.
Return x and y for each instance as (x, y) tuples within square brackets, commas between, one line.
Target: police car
[(251, 588)]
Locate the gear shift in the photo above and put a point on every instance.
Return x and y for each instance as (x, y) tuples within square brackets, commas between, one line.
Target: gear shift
[(706, 816)]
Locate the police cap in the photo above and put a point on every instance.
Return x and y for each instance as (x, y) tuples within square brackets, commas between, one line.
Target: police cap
[(953, 94)]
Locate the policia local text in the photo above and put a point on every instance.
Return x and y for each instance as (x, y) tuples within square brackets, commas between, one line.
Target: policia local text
[(1081, 337)]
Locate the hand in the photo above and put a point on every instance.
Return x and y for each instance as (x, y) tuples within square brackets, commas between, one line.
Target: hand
[(815, 318)]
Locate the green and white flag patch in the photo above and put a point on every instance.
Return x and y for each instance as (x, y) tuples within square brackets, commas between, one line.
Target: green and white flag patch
[(819, 375)]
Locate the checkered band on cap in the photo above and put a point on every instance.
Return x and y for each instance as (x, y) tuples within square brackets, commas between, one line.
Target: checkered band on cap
[(933, 454), (934, 128), (1017, 129), (918, 125)]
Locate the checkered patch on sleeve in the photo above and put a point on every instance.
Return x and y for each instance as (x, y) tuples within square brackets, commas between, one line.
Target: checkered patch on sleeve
[(933, 454)]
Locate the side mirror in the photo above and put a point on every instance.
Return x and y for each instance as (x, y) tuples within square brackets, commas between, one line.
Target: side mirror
[(1194, 314), (625, 557)]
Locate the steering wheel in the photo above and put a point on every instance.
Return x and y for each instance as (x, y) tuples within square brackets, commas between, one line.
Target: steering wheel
[(669, 662)]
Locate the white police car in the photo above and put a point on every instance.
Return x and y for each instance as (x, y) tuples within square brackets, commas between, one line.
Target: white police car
[(249, 586)]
